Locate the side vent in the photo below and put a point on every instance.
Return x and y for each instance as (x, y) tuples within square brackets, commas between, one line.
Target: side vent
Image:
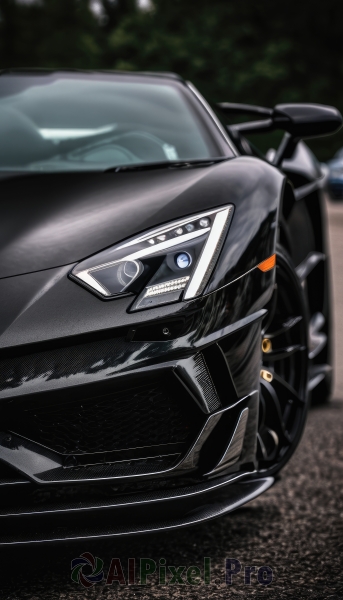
[(234, 448), (220, 374), (193, 372), (205, 382), (207, 377)]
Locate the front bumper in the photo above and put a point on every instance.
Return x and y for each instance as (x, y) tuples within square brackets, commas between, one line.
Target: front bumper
[(125, 431)]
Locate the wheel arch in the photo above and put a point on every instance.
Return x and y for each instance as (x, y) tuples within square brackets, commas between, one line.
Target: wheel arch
[(303, 233)]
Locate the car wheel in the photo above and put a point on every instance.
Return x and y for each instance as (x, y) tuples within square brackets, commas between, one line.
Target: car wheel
[(284, 395)]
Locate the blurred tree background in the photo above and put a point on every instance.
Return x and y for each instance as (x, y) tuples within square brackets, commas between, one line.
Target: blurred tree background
[(256, 52)]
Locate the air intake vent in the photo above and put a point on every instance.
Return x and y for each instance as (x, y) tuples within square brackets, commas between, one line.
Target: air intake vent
[(150, 412)]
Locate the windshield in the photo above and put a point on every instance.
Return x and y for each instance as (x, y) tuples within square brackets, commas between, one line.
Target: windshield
[(73, 122)]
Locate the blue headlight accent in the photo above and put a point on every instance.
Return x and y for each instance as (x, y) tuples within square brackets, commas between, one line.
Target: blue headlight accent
[(183, 260)]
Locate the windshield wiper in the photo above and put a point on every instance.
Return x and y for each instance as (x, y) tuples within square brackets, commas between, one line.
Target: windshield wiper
[(172, 164)]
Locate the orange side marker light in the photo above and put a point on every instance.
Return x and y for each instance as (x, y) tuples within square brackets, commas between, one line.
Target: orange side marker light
[(268, 264)]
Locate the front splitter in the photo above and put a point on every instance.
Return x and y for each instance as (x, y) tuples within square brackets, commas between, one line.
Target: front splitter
[(129, 515)]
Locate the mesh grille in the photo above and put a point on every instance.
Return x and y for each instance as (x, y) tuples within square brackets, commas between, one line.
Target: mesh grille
[(151, 414)]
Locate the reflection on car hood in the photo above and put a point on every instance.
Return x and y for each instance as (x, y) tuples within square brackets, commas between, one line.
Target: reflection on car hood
[(49, 220)]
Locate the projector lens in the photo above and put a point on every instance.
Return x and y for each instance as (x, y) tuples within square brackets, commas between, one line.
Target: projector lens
[(183, 260)]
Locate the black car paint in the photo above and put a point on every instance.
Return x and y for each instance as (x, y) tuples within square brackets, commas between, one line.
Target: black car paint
[(55, 220), (45, 305), (59, 219), (56, 321), (58, 340)]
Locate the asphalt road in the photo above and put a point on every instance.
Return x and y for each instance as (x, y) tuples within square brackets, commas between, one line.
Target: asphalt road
[(296, 528)]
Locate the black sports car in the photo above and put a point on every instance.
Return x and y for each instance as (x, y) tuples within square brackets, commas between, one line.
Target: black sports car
[(165, 301)]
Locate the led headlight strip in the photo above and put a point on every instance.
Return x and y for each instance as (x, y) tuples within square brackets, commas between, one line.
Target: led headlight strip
[(209, 254), (168, 286)]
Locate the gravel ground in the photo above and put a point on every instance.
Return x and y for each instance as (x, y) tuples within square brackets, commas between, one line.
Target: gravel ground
[(296, 528)]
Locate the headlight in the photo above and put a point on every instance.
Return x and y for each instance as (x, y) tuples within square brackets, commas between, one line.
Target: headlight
[(163, 265)]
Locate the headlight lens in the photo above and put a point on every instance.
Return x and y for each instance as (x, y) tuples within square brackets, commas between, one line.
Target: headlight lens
[(164, 265)]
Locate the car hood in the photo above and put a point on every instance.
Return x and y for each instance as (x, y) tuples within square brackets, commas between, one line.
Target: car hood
[(50, 220)]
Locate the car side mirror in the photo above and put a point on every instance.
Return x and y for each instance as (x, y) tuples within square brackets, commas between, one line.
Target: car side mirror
[(306, 120)]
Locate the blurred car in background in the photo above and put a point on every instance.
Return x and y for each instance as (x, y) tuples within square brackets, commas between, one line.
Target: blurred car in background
[(335, 176)]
